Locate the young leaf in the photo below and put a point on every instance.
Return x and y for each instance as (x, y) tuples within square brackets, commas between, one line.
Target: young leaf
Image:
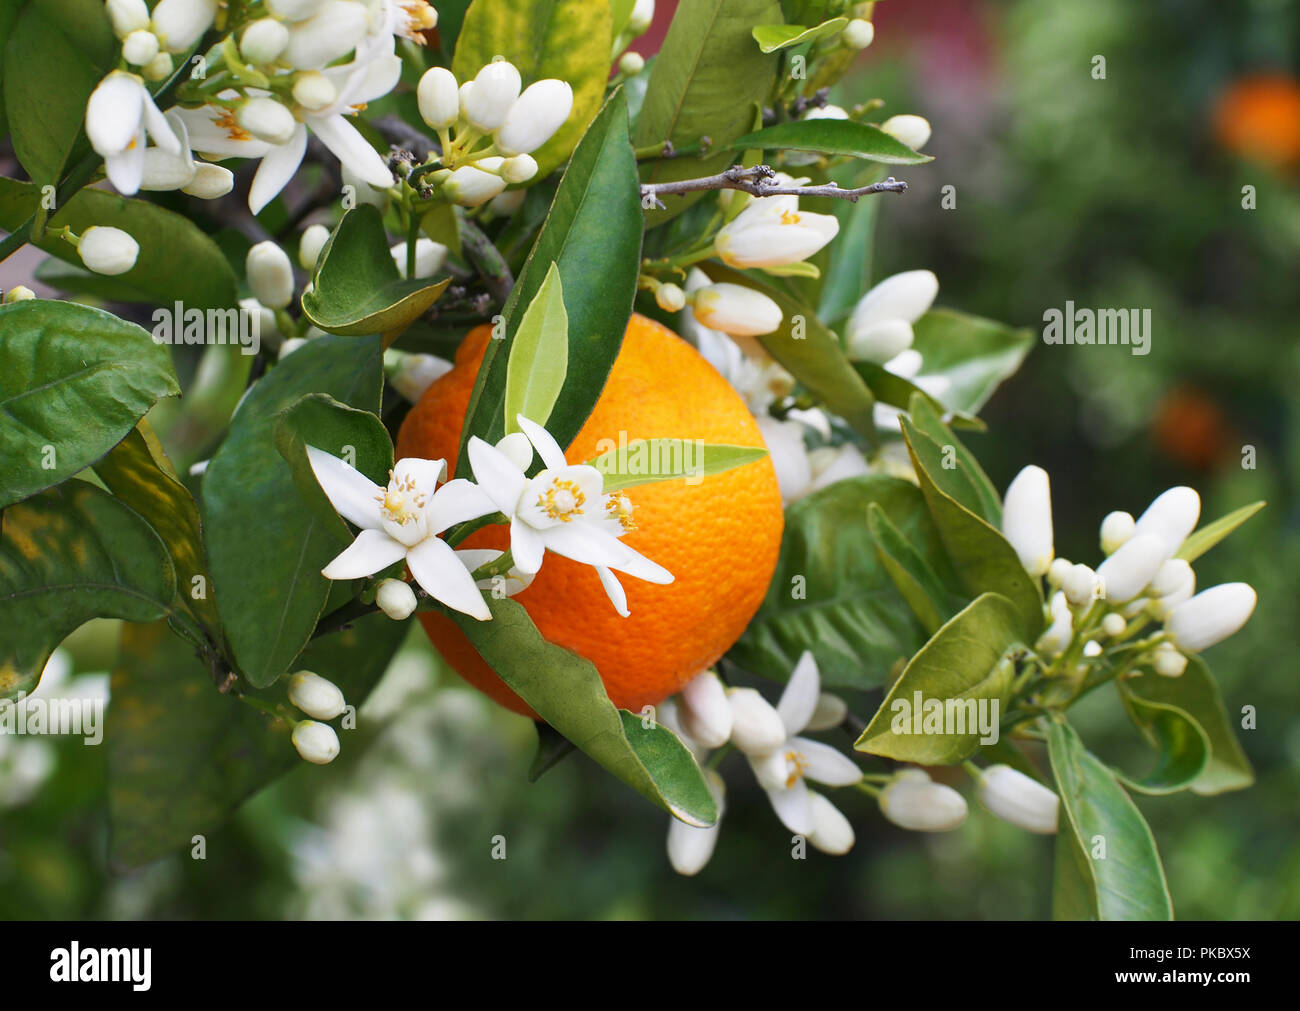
[(1209, 535), (931, 601), (1182, 747), (771, 38), (73, 382), (965, 662), (988, 505), (974, 354), (643, 461), (539, 356), (833, 136)]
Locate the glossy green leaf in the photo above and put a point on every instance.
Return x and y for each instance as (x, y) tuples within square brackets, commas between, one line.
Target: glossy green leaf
[(833, 136), (539, 356), (848, 271), (707, 78), (266, 544), (771, 38), (968, 659), (831, 595), (357, 288), (593, 234), (1209, 535), (67, 555), (1181, 746), (70, 279), (552, 748), (931, 601), (643, 461), (974, 354), (73, 382), (565, 690), (565, 39), (988, 503)]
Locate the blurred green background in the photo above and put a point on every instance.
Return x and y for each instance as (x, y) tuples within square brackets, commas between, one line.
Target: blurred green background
[(1117, 192)]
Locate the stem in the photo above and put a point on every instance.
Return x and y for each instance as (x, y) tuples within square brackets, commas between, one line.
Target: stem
[(867, 788), (342, 617), (412, 235), (487, 259), (757, 181), (490, 570)]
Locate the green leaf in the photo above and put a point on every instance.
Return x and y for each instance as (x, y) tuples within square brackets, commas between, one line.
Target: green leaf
[(831, 595), (770, 38), (182, 756), (68, 555), (930, 600), (593, 234), (441, 224), (73, 382), (833, 136), (974, 354), (1128, 881), (266, 543), (138, 472), (707, 78), (984, 559), (1182, 748), (565, 690), (988, 504), (357, 288), (178, 262), (966, 660), (539, 356), (55, 55), (1196, 694), (1209, 535), (565, 39), (552, 748), (643, 461), (815, 358), (848, 274)]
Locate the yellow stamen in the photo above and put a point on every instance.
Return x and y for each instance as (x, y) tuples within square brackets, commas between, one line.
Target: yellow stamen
[(797, 765), (562, 501), (234, 131), (790, 218), (619, 507)]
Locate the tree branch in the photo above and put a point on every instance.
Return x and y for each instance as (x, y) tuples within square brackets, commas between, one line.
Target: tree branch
[(758, 181)]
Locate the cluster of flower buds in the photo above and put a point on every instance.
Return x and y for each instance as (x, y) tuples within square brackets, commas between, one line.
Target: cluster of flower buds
[(912, 800), (1141, 580), (321, 700), (489, 128)]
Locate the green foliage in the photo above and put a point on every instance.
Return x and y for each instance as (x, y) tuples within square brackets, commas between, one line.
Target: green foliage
[(771, 38), (629, 467), (833, 136), (539, 356), (1200, 541), (975, 354)]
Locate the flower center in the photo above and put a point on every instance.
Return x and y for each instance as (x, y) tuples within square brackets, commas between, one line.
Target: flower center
[(420, 17), (562, 500), (393, 500), (790, 218), (619, 508), (234, 131), (796, 764)]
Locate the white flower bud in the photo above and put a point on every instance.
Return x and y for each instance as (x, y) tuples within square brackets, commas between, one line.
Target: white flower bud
[(1168, 662), (1116, 528), (331, 32), (1211, 616), (313, 90), (294, 10), (534, 118), (518, 169), (1058, 634), (670, 297), (107, 250), (470, 186), (263, 41), (505, 204), (127, 16), (831, 832), (830, 712), (429, 257), (735, 309), (140, 47), (19, 293), (266, 119), (486, 105), (316, 742), (858, 34), (914, 802), (1027, 519), (1058, 570), (270, 274), (179, 23), (439, 98), (1014, 797), (642, 14), (1079, 585), (906, 296), (312, 242), (158, 68), (290, 346), (415, 373), (880, 342), (631, 64), (396, 599), (773, 232), (1127, 572), (1114, 625), (210, 181), (705, 710), (1173, 576), (914, 131), (691, 847), (756, 726), (259, 316), (1171, 516), (316, 696)]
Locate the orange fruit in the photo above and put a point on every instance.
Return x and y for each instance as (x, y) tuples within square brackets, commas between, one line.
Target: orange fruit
[(1259, 117), (719, 537)]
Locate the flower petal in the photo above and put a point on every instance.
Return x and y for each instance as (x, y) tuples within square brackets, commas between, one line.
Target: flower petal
[(350, 492), (444, 577), (125, 170), (800, 696), (587, 543), (497, 475), (113, 113), (825, 764), (277, 168), (794, 808), (526, 546), (455, 502), (158, 126), (423, 475), (551, 453), (371, 551), (614, 590), (352, 150)]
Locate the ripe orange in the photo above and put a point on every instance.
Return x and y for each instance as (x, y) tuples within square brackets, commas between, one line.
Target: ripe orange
[(1259, 117), (719, 537)]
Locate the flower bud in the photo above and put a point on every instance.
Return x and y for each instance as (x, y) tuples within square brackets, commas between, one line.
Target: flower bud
[(140, 47), (1168, 662), (439, 98), (631, 64), (179, 23), (1027, 519), (756, 726), (312, 242), (19, 293), (107, 250), (505, 204), (906, 296), (316, 696), (789, 455), (316, 742), (1127, 572), (1058, 570), (210, 181), (1211, 616), (396, 599), (470, 186), (880, 342), (830, 712), (1058, 634), (263, 41), (914, 131), (831, 832), (706, 712), (127, 16), (429, 257), (1172, 577), (1018, 799), (670, 298), (158, 68), (534, 118), (689, 846), (1080, 585), (518, 169), (735, 309), (313, 90), (1171, 516), (266, 119), (328, 34), (643, 12), (270, 274), (1116, 528), (913, 801), (415, 373), (1114, 625), (486, 105), (858, 34), (294, 10)]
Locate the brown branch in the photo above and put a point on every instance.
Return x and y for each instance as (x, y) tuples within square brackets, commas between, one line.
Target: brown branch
[(758, 182)]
